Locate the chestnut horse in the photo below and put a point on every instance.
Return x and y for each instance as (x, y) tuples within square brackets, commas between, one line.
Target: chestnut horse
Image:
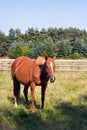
[(31, 73)]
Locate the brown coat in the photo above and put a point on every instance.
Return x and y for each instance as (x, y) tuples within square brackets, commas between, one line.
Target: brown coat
[(26, 70)]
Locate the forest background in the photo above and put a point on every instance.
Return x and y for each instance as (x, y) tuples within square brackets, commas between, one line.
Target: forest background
[(62, 43)]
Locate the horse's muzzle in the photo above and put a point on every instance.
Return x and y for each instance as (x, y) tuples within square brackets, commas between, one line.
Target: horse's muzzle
[(52, 79)]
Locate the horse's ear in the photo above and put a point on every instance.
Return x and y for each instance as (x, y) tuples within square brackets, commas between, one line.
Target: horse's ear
[(46, 57)]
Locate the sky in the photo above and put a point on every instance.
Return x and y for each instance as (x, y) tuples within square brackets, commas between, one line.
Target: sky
[(24, 14)]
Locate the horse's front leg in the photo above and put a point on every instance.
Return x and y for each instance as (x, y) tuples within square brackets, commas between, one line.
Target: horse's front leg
[(26, 95), (32, 85), (43, 89)]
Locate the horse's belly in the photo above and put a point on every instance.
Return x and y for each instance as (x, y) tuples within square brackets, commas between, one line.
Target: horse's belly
[(23, 78)]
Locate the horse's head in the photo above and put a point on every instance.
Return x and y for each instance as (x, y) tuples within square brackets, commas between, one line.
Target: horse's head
[(50, 68)]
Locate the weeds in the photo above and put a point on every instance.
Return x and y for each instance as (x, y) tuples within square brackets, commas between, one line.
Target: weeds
[(65, 105)]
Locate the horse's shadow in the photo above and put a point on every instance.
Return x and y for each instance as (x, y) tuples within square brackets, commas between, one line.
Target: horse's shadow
[(21, 120), (22, 102)]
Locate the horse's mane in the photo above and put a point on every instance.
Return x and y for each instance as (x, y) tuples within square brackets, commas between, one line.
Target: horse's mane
[(40, 60)]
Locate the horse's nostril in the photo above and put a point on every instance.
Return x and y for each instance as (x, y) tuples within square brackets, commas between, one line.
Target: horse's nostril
[(52, 79)]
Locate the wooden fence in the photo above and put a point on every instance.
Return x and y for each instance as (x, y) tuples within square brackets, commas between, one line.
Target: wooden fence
[(61, 65), (5, 65), (71, 65)]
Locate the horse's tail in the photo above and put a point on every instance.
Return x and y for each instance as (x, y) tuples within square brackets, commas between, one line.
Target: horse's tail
[(12, 70), (16, 87)]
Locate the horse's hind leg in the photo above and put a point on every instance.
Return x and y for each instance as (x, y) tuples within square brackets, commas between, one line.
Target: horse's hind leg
[(16, 91), (26, 94)]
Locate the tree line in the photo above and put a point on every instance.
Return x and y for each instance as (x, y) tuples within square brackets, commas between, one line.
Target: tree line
[(59, 42)]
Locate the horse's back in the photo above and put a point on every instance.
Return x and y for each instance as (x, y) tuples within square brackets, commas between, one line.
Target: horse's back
[(20, 60)]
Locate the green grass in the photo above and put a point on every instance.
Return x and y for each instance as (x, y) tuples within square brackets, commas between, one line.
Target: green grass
[(65, 105)]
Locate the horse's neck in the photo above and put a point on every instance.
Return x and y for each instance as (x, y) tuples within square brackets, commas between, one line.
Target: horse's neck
[(43, 69), (40, 63)]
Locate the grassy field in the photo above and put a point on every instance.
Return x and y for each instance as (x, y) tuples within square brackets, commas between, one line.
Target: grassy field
[(65, 105)]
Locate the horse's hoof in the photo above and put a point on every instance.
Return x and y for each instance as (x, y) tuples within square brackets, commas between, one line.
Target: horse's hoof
[(27, 106), (32, 110), (15, 105), (41, 109)]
